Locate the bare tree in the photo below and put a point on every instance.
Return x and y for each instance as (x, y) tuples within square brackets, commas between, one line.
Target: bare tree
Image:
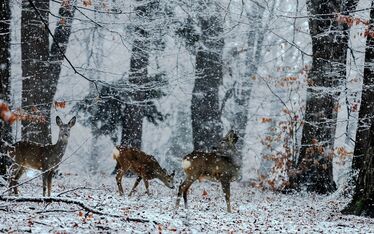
[(255, 39)]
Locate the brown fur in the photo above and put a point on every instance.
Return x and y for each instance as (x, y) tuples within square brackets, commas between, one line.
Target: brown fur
[(214, 166), (143, 165), (46, 158)]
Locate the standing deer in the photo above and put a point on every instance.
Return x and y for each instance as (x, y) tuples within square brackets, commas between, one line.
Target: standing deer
[(138, 162), (45, 158), (218, 165)]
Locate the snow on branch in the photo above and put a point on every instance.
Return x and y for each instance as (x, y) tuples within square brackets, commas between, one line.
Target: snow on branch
[(70, 201)]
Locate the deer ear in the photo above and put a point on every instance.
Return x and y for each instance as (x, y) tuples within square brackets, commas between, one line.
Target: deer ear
[(58, 121), (173, 173), (72, 121), (234, 137)]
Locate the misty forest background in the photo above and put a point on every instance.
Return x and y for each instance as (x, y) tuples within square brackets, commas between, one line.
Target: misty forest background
[(294, 78)]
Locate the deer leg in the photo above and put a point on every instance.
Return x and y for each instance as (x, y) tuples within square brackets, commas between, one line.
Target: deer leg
[(119, 176), (146, 184), (183, 189), (226, 191), (16, 174), (135, 185), (49, 182), (45, 182)]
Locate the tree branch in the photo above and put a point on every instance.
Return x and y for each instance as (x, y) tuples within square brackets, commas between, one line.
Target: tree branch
[(70, 201)]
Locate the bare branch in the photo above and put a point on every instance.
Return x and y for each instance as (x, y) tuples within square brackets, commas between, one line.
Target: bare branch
[(70, 201)]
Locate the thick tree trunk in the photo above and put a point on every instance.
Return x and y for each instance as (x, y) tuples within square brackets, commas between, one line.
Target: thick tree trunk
[(133, 113), (363, 200), (5, 129), (35, 53), (132, 126), (366, 112), (41, 67), (59, 46), (205, 108), (329, 45), (363, 161)]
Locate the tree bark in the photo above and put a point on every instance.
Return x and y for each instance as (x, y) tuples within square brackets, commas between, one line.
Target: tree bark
[(255, 40), (242, 99), (41, 67), (205, 108), (133, 113), (329, 46), (5, 129), (144, 91), (366, 112), (35, 52), (363, 199), (59, 46), (95, 38)]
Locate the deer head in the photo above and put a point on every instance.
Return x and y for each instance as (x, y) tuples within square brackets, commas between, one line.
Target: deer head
[(168, 179), (65, 128)]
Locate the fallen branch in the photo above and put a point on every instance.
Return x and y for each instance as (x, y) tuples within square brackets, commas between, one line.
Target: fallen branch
[(74, 189), (56, 211), (69, 201)]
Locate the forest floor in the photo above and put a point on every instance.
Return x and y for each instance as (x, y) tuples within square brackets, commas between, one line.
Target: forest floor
[(254, 211)]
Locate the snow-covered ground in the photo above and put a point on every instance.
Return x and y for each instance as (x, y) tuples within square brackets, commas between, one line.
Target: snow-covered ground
[(254, 211)]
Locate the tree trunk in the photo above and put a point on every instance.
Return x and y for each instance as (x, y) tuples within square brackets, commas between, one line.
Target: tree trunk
[(35, 52), (363, 200), (132, 126), (133, 113), (5, 129), (95, 44), (41, 67), (205, 108), (255, 42), (253, 54), (366, 112), (329, 46), (363, 161), (59, 46)]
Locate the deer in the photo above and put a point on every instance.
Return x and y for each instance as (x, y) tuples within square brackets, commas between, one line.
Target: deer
[(143, 165), (45, 158), (218, 165)]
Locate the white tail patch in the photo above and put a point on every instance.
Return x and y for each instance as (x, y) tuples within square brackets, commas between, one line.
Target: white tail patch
[(186, 164), (115, 153)]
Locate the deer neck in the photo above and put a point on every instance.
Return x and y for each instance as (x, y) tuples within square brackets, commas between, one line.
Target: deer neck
[(60, 145), (158, 173)]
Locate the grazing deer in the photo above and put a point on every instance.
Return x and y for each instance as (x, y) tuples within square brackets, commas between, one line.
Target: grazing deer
[(145, 166), (45, 158), (218, 165)]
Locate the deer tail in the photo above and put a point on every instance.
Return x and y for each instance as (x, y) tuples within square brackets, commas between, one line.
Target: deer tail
[(115, 153), (186, 163)]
